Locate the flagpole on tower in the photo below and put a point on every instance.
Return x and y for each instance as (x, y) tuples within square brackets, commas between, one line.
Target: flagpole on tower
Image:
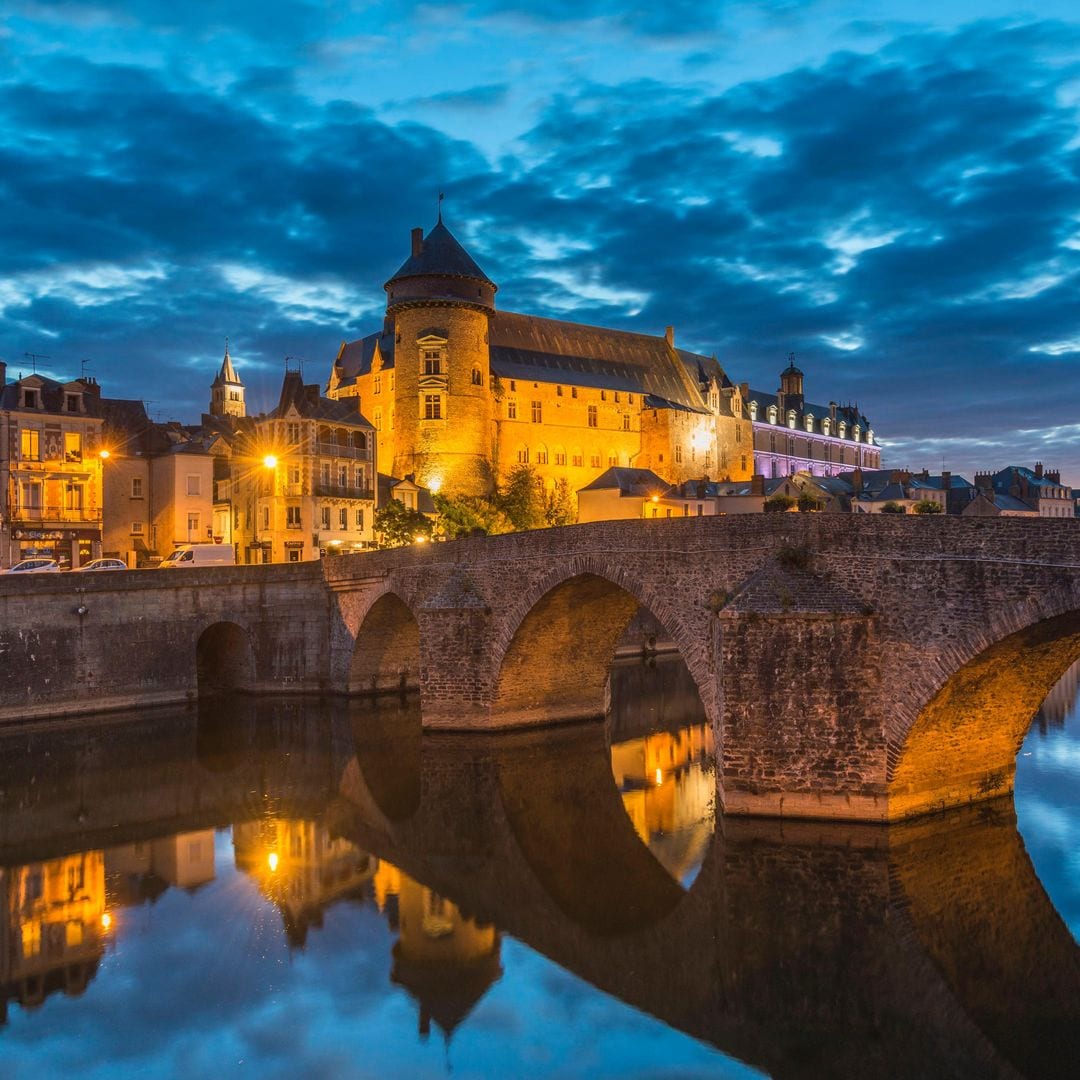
[(441, 197)]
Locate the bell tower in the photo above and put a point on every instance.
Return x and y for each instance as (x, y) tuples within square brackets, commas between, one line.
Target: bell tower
[(440, 303), (227, 391)]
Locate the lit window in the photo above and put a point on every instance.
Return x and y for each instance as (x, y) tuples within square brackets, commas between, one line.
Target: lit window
[(560, 457), (537, 412), (592, 416), (791, 418), (594, 461), (137, 528), (30, 444), (617, 397), (573, 391), (577, 459), (809, 422), (432, 406), (511, 410)]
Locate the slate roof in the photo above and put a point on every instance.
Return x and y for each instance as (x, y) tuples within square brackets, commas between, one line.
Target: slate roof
[(227, 374), (850, 414), (441, 255), (1006, 477), (937, 483), (311, 405), (1010, 502), (52, 395), (629, 482)]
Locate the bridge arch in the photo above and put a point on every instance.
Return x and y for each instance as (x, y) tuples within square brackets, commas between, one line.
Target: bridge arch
[(386, 650), (224, 659), (556, 644), (977, 704)]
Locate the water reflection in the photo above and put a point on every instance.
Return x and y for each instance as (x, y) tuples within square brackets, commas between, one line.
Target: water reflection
[(419, 883)]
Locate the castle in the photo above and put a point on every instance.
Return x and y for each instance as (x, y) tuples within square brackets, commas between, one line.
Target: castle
[(461, 393)]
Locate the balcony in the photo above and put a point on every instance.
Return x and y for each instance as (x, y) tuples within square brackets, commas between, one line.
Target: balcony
[(337, 491), (58, 514), (329, 449)]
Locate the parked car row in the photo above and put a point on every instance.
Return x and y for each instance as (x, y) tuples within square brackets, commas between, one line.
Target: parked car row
[(189, 555)]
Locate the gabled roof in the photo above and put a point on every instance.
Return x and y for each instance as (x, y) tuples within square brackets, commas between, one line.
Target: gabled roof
[(356, 357), (441, 255), (847, 413), (937, 483), (311, 405), (637, 483), (52, 394)]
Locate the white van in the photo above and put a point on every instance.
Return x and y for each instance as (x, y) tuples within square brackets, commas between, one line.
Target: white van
[(192, 555)]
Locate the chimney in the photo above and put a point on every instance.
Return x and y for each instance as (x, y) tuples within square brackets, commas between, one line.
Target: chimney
[(1053, 475), (856, 481), (832, 411), (744, 391), (1038, 469), (984, 481), (669, 335), (757, 484), (417, 242), (946, 480), (3, 374)]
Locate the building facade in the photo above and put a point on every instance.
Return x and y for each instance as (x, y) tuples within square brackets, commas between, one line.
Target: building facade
[(792, 435), (50, 465), (295, 484), (460, 393)]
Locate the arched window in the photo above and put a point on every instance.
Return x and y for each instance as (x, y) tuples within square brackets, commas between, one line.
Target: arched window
[(791, 418), (843, 430), (870, 436), (856, 434), (477, 377), (523, 455), (560, 455), (541, 455), (577, 458)]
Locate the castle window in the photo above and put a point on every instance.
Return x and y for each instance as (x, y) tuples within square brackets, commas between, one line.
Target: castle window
[(136, 487), (809, 422), (573, 391), (391, 382), (678, 453), (433, 407), (626, 422), (791, 418), (630, 398), (743, 461), (592, 416), (577, 459), (603, 395), (772, 414), (511, 410), (594, 461), (843, 430), (542, 456), (537, 412), (826, 426), (477, 377), (523, 455), (377, 419), (612, 458), (377, 385), (432, 364), (857, 433), (513, 386), (617, 397), (558, 391), (560, 456)]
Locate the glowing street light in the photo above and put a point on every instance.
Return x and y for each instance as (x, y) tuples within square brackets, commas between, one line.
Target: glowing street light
[(104, 455), (270, 461)]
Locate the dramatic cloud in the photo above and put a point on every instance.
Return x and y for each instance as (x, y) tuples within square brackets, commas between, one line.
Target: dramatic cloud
[(901, 212)]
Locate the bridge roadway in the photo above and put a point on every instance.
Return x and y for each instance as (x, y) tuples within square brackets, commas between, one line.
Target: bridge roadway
[(805, 949), (863, 668)]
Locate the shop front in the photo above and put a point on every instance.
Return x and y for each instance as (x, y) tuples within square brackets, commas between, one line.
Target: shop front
[(69, 547)]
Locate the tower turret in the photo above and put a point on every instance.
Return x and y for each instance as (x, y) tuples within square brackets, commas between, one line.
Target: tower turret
[(791, 386), (440, 303), (227, 391)]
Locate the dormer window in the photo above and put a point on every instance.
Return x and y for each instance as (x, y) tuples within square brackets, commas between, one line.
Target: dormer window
[(826, 426), (72, 402), (772, 414), (753, 410), (791, 418), (376, 385), (856, 434), (843, 430), (870, 435), (809, 422), (29, 398)]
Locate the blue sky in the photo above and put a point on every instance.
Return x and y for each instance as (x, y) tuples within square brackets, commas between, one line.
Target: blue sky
[(887, 189)]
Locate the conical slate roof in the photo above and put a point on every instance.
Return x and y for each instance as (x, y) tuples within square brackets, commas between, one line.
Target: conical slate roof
[(441, 255), (227, 375)]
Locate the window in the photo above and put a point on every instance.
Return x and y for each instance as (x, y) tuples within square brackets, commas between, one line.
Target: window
[(523, 455), (136, 487), (292, 517), (626, 422), (560, 457), (558, 391), (343, 518), (293, 474), (343, 476), (477, 377), (843, 430), (809, 422), (578, 459), (630, 398), (573, 391), (72, 446), (742, 461), (612, 458), (738, 433), (360, 520), (856, 434), (432, 363), (137, 528), (194, 484), (791, 418), (29, 399), (511, 410), (537, 412), (192, 523), (376, 385), (542, 456), (678, 453), (292, 433), (772, 414), (753, 410), (592, 416), (266, 517), (324, 473), (433, 406), (326, 517), (594, 461), (513, 386), (358, 476), (708, 460), (826, 426), (72, 402), (30, 444), (603, 395), (391, 382), (377, 419), (74, 497), (618, 397)]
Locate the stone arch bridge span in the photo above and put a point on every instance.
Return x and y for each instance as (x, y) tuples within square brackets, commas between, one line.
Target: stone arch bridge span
[(864, 668)]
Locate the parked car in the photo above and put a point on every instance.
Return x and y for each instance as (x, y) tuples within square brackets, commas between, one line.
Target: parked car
[(102, 564), (36, 566), (193, 555)]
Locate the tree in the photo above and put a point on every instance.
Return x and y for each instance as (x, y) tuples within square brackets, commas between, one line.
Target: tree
[(779, 504), (809, 503), (397, 525), (559, 504), (893, 508), (926, 506), (522, 499), (467, 515)]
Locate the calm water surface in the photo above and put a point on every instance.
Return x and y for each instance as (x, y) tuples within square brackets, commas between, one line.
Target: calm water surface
[(289, 889)]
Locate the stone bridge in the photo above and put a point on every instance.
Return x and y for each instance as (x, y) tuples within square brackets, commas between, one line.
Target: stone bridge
[(864, 668)]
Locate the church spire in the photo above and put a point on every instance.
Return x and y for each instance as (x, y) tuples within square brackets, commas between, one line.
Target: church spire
[(227, 391)]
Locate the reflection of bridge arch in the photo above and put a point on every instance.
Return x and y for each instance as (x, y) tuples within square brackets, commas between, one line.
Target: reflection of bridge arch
[(386, 651), (569, 823), (224, 659), (557, 642), (387, 736), (979, 701)]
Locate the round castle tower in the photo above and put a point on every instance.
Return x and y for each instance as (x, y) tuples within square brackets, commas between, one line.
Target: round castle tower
[(440, 303)]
